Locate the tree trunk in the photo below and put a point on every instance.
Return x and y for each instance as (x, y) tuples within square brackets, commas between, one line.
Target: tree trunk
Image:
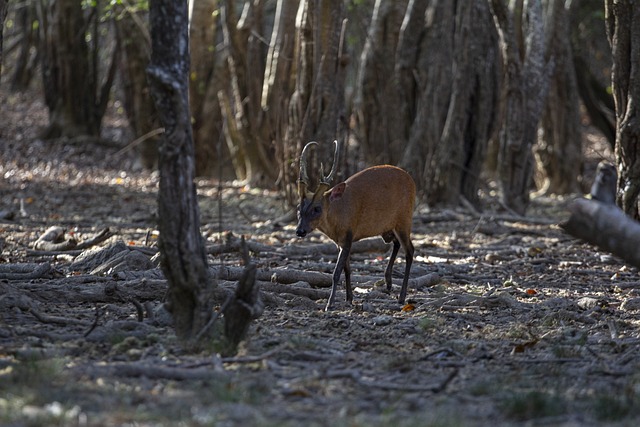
[(458, 157), (447, 80), (4, 4), (316, 107), (184, 260), (277, 86), (24, 67), (244, 131), (379, 97), (278, 66), (596, 99), (73, 94), (592, 60), (208, 76), (558, 151), (526, 82), (622, 18), (326, 107), (606, 226), (135, 42)]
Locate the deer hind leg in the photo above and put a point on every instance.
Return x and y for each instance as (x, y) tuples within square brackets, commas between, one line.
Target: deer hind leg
[(408, 248), (347, 279), (388, 237)]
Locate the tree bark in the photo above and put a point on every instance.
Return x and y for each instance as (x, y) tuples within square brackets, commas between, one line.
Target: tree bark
[(592, 60), (4, 4), (245, 129), (622, 19), (326, 108), (278, 80), (135, 42), (24, 67), (526, 81), (182, 249), (558, 151), (278, 66), (316, 109), (606, 226), (456, 97), (458, 157), (379, 97), (208, 77), (73, 94)]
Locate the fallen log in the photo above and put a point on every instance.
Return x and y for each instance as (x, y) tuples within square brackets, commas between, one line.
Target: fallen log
[(606, 226), (280, 275), (313, 278), (232, 244), (28, 271)]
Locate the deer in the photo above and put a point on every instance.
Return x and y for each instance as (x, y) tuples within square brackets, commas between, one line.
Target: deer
[(377, 201)]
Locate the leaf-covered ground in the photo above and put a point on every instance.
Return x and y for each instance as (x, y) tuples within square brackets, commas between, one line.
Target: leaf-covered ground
[(524, 323)]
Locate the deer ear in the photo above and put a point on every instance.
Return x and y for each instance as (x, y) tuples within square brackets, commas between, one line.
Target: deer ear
[(336, 192)]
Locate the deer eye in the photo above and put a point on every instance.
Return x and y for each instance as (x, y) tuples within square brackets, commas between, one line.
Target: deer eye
[(317, 209)]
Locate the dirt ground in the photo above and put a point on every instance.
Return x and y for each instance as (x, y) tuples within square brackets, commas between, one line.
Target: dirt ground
[(524, 325)]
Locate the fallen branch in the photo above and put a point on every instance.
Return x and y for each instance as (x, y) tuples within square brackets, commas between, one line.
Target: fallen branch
[(151, 371), (374, 244), (315, 279), (233, 244), (56, 319), (75, 290), (25, 272), (294, 289), (606, 226), (53, 239), (430, 279), (85, 244), (385, 385), (100, 237), (280, 275)]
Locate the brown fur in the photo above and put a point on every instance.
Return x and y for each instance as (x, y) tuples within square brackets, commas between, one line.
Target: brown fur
[(377, 201)]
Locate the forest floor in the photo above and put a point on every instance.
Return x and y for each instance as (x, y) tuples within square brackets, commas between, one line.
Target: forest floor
[(523, 324)]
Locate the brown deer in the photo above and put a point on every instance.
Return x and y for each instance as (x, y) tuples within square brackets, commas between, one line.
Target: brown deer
[(377, 201)]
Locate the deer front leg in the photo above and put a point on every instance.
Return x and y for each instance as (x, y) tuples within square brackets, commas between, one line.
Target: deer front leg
[(341, 264)]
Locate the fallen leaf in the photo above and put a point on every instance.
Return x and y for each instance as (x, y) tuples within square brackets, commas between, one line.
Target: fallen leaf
[(522, 347), (409, 307)]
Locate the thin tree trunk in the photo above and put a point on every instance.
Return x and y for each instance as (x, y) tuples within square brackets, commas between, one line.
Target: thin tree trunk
[(326, 108), (276, 79), (316, 107), (73, 93), (182, 249), (24, 67), (379, 97), (4, 4), (135, 42), (246, 66), (208, 76), (276, 83), (558, 151), (622, 18), (526, 82)]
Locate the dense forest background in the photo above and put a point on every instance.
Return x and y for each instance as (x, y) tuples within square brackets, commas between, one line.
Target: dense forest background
[(461, 94)]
